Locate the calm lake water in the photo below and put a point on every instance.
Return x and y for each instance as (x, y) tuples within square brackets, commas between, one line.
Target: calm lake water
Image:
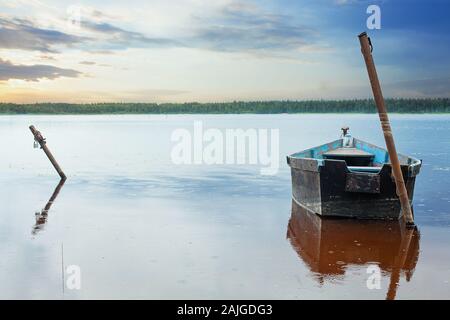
[(140, 227)]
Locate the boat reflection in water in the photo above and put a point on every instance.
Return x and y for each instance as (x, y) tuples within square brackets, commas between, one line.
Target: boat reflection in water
[(41, 217), (329, 246)]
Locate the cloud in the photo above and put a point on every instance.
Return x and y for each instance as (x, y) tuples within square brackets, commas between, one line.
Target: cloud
[(9, 71), (17, 33), (120, 38), (23, 34), (244, 27), (234, 27), (87, 63), (47, 57), (92, 63), (101, 52)]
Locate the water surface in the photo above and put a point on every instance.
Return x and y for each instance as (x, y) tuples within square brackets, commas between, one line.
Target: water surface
[(140, 227)]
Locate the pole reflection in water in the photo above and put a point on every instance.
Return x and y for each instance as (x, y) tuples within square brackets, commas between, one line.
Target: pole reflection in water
[(329, 246), (41, 217)]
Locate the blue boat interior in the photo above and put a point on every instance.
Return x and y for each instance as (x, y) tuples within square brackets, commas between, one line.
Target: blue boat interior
[(359, 155)]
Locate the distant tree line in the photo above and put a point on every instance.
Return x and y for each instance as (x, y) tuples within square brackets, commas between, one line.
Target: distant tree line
[(432, 105)]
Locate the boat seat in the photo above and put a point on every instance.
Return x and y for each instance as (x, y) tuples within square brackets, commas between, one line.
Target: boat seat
[(364, 169), (352, 156)]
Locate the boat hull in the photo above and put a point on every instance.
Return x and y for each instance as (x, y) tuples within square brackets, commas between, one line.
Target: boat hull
[(332, 189)]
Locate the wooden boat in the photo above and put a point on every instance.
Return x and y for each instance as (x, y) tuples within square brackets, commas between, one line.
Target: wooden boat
[(350, 178)]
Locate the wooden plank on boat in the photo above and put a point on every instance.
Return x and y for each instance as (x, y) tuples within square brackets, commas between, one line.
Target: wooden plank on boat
[(303, 164), (362, 182)]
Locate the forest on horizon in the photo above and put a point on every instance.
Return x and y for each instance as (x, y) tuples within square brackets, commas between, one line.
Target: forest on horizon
[(425, 105)]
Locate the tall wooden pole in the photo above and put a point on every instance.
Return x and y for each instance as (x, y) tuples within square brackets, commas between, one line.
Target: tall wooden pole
[(366, 49), (41, 140)]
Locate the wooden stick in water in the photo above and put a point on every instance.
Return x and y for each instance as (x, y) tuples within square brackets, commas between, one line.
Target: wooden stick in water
[(366, 49), (41, 140)]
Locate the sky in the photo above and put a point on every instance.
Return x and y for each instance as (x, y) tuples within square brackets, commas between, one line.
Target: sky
[(218, 50)]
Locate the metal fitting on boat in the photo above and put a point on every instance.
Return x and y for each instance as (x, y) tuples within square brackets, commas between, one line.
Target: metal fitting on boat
[(346, 138)]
